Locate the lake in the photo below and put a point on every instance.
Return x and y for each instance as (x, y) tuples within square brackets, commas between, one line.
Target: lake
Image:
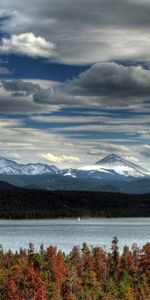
[(65, 233)]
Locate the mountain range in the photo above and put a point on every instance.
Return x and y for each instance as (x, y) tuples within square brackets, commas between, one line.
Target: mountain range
[(112, 173)]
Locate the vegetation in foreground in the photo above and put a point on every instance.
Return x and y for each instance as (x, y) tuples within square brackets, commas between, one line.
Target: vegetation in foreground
[(84, 274)]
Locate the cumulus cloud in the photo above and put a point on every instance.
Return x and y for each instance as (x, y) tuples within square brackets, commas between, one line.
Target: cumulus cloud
[(52, 95), (111, 82), (27, 44), (103, 84), (21, 88), (18, 96), (59, 158)]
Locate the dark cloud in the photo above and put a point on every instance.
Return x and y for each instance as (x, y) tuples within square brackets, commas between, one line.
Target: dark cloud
[(39, 94), (104, 84), (17, 86), (100, 12), (111, 83), (84, 31), (19, 106), (20, 88), (22, 97)]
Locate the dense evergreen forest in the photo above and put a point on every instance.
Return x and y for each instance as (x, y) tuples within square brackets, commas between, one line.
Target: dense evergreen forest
[(87, 273), (29, 203)]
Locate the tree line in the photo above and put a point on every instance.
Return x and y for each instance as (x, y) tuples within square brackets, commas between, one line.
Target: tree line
[(86, 273), (30, 203)]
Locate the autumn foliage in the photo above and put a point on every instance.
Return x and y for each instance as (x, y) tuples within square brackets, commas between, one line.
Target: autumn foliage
[(87, 273)]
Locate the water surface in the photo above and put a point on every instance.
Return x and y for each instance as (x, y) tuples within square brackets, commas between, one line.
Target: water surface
[(65, 233)]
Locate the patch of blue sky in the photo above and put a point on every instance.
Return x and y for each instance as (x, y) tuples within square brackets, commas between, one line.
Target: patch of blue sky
[(24, 67), (99, 135), (90, 111)]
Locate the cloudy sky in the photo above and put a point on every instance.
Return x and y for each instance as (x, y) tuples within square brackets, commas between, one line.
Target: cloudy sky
[(75, 80)]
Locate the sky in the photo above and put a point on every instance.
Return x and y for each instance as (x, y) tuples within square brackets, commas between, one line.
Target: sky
[(75, 81)]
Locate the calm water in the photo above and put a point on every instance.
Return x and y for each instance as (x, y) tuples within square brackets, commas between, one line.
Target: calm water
[(64, 233)]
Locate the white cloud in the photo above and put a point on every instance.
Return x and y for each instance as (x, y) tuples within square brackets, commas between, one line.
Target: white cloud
[(10, 123), (107, 148), (59, 158), (12, 155), (27, 44), (132, 158), (64, 119), (29, 144)]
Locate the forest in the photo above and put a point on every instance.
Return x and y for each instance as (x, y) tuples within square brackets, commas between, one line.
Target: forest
[(86, 273), (31, 203)]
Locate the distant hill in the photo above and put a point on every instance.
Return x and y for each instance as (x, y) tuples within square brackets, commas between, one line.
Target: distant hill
[(32, 203), (6, 186)]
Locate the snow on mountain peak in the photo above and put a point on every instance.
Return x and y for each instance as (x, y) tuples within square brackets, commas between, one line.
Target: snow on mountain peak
[(111, 158), (114, 160), (115, 164), (111, 165), (10, 167)]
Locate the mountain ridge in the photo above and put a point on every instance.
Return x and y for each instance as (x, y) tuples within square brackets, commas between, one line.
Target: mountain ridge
[(116, 164), (11, 167), (111, 173), (109, 160), (117, 158)]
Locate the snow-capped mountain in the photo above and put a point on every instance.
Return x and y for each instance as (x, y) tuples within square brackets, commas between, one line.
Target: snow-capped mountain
[(9, 167), (110, 165), (112, 173), (113, 165)]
